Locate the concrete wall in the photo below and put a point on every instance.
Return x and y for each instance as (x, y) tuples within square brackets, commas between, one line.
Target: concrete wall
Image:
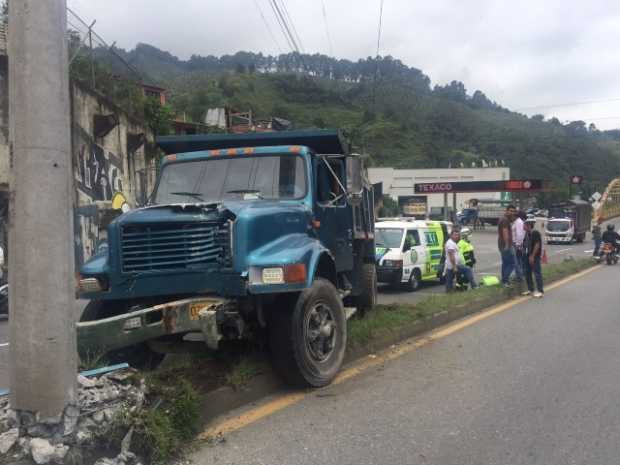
[(399, 183), (105, 164), (102, 165)]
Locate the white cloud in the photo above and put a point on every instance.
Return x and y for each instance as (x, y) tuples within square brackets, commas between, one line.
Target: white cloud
[(522, 54)]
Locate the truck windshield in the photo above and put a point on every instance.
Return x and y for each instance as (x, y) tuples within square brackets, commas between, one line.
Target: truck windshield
[(558, 226), (240, 178), (388, 237)]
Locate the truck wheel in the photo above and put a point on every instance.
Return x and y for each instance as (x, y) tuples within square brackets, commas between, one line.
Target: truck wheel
[(368, 298), (308, 341), (414, 281), (137, 356)]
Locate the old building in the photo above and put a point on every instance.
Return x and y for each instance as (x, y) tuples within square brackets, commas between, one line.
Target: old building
[(112, 152)]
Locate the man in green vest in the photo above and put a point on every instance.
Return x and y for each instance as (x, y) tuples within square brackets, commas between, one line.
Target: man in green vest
[(468, 258)]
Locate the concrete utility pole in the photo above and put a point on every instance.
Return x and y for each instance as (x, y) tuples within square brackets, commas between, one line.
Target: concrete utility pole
[(42, 297)]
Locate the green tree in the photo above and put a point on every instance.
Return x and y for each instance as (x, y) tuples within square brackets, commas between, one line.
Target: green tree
[(158, 116)]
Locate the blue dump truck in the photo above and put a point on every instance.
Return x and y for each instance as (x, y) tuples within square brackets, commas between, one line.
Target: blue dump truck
[(245, 236)]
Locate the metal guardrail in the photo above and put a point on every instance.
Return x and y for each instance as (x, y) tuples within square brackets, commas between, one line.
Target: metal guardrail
[(610, 202)]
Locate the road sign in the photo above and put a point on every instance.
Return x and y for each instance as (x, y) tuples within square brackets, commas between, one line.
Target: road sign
[(576, 179), (512, 185), (596, 196)]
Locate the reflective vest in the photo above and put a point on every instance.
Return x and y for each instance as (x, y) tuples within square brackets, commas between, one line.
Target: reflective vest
[(466, 251)]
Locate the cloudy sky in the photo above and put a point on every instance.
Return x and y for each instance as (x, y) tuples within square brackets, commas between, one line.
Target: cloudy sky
[(528, 55)]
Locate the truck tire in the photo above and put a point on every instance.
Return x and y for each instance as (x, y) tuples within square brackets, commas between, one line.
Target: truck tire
[(308, 341), (137, 356), (414, 281), (368, 298)]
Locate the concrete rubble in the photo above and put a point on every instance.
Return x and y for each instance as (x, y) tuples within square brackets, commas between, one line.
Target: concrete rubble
[(27, 438)]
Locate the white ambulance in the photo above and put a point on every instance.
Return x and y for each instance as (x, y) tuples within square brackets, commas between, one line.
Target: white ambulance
[(409, 251)]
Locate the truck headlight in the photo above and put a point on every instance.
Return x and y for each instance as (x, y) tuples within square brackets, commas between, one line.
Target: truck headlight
[(92, 285), (272, 276), (289, 274)]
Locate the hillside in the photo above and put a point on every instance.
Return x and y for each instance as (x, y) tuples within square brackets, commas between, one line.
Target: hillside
[(389, 111)]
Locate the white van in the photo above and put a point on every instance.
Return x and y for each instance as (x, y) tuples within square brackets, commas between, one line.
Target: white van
[(408, 252)]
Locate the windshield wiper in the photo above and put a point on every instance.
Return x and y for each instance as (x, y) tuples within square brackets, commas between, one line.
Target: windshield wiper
[(193, 195), (245, 191)]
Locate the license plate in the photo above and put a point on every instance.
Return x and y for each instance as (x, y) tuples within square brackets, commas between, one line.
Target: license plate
[(196, 308)]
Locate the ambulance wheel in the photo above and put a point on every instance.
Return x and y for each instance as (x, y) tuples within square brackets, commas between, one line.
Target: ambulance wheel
[(414, 281), (308, 341)]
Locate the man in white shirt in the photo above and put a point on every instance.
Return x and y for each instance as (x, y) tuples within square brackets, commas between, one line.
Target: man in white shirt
[(454, 262), (518, 235)]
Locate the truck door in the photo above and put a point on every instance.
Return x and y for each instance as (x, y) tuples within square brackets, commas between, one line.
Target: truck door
[(333, 212)]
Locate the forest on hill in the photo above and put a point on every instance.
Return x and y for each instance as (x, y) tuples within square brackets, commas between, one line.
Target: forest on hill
[(388, 110)]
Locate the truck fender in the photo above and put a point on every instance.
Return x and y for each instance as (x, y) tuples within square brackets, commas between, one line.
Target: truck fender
[(297, 248)]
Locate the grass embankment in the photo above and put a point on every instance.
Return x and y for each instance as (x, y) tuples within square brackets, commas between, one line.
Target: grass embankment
[(172, 418)]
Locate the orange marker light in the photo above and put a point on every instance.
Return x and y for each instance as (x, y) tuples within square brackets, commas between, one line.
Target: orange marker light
[(172, 157), (295, 149), (231, 152), (295, 273), (316, 224), (215, 152), (248, 151)]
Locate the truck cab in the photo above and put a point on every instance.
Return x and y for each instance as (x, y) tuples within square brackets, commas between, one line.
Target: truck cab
[(255, 234)]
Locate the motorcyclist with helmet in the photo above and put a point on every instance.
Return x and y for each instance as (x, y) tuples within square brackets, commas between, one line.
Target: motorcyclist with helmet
[(611, 236)]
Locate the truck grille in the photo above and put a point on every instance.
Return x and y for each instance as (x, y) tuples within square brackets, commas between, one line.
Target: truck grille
[(188, 246)]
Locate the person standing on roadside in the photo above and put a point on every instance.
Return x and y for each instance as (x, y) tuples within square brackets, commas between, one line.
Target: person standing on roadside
[(454, 263), (505, 244), (597, 237), (518, 235), (532, 250)]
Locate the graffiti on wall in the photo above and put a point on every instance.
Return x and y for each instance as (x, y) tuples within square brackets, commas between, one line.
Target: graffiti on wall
[(86, 233), (98, 173)]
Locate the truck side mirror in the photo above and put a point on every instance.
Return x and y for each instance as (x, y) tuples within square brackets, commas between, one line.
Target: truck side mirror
[(355, 178)]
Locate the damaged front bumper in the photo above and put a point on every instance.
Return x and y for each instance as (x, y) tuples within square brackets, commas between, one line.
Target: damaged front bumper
[(198, 314)]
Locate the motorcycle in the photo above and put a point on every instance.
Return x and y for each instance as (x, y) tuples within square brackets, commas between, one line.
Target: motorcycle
[(609, 253)]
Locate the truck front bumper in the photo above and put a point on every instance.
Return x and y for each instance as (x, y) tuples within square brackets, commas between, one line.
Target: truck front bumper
[(177, 317)]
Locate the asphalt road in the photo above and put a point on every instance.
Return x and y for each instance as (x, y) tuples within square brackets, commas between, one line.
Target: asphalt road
[(538, 383)]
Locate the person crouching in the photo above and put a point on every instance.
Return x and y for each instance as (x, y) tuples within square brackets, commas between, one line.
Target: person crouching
[(454, 263)]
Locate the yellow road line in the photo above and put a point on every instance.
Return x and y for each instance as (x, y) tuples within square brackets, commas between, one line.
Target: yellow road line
[(273, 405)]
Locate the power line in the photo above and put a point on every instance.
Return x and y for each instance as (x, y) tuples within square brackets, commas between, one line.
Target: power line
[(329, 38), (292, 24), (273, 37), (572, 104), (281, 24), (286, 26), (380, 27)]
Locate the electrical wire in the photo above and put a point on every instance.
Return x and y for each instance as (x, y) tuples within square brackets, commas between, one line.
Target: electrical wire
[(380, 27), (573, 104), (282, 28), (292, 24), (267, 26), (329, 37), (286, 26)]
